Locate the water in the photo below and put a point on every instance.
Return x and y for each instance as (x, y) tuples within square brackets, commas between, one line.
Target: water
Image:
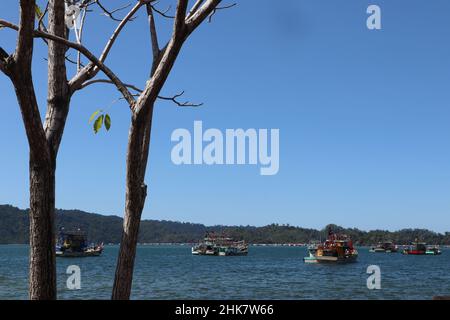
[(171, 272)]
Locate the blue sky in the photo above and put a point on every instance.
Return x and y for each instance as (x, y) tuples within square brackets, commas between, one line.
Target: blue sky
[(363, 117)]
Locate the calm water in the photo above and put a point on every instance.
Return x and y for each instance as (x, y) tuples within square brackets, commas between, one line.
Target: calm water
[(171, 272)]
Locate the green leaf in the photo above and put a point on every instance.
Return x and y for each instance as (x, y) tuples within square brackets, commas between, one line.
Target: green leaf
[(38, 12), (98, 124), (94, 115), (107, 122)]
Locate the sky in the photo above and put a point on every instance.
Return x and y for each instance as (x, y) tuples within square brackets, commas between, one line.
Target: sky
[(363, 117)]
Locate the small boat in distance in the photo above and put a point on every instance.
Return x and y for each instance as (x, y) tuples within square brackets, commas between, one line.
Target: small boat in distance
[(385, 247), (416, 248), (312, 251), (338, 248), (220, 245), (433, 251), (73, 244)]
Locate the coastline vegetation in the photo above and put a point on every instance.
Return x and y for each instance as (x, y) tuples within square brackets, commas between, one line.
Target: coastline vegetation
[(14, 229)]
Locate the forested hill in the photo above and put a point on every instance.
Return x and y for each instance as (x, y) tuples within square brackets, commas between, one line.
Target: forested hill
[(14, 229)]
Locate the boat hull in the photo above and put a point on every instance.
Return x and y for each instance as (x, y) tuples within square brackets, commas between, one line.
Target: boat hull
[(433, 253), (383, 251), (215, 246), (310, 260), (219, 253), (414, 252), (330, 259), (327, 259), (67, 254)]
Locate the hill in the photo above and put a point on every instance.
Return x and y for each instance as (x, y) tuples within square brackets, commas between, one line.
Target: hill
[(14, 229)]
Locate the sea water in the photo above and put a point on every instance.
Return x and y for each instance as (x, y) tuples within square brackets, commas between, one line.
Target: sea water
[(171, 272)]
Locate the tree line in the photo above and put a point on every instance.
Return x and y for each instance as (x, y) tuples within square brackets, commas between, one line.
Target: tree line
[(14, 229)]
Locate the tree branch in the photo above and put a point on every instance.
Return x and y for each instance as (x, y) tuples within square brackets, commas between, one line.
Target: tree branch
[(174, 98), (88, 83), (220, 8), (180, 16), (89, 71), (182, 28), (194, 8), (21, 78), (24, 50), (153, 34), (96, 62), (201, 14), (4, 56), (111, 13), (118, 83), (40, 23), (42, 27), (163, 13), (83, 19), (58, 96), (119, 28)]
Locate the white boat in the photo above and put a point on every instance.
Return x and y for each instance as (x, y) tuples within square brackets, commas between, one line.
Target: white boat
[(311, 258), (214, 245)]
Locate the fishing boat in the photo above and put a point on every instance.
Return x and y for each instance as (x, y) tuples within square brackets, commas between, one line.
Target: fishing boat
[(338, 248), (73, 244), (416, 248), (312, 251), (433, 251), (385, 247), (220, 245)]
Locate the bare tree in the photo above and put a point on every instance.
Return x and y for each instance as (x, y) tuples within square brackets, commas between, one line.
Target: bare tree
[(44, 139), (141, 124)]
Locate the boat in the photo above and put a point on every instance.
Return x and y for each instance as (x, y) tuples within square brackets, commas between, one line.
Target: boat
[(385, 247), (433, 251), (220, 245), (416, 248), (73, 244), (312, 251), (338, 248)]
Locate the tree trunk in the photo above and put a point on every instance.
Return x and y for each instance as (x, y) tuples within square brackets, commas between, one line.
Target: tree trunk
[(42, 241), (42, 169), (136, 193)]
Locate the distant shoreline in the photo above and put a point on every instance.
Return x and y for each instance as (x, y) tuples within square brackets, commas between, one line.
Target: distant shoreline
[(14, 228)]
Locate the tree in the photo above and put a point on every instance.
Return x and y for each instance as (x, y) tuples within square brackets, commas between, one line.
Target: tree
[(140, 130), (45, 138)]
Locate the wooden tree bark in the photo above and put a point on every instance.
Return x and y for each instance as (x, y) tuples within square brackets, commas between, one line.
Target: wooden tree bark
[(42, 271), (43, 140), (58, 96), (136, 193), (42, 274)]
